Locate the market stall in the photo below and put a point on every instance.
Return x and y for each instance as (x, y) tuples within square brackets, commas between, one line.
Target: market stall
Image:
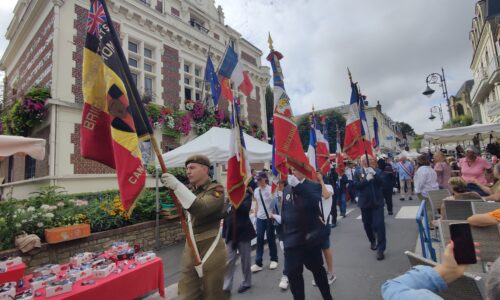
[(10, 145), (461, 134)]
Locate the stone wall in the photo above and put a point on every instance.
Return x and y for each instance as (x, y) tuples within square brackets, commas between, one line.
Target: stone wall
[(142, 234)]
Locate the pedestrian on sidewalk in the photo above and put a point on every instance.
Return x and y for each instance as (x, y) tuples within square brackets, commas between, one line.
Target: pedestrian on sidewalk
[(325, 208), (334, 178), (303, 233), (276, 216), (443, 170), (238, 233), (388, 181), (264, 199), (425, 178), (204, 205), (406, 170), (368, 182)]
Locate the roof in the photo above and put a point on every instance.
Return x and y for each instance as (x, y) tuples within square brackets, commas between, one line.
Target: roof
[(466, 87)]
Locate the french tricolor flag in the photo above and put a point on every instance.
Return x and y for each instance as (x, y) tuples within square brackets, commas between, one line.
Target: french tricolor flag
[(232, 68)]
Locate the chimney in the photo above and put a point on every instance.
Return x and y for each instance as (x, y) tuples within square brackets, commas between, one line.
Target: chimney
[(379, 106)]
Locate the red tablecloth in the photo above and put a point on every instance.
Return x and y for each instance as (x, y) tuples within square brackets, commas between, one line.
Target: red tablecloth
[(13, 274), (129, 284)]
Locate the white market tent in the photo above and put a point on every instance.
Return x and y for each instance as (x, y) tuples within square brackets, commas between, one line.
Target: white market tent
[(460, 134), (215, 145), (10, 145)]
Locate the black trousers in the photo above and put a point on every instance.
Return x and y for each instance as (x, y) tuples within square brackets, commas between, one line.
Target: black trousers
[(311, 257), (334, 207), (373, 222), (388, 199)]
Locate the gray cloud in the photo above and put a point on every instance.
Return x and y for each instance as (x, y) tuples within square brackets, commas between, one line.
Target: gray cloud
[(390, 46)]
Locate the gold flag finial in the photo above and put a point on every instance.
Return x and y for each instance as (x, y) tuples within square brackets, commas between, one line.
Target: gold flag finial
[(270, 41)]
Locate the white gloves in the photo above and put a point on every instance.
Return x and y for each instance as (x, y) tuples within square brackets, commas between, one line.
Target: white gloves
[(185, 196), (293, 181), (369, 176)]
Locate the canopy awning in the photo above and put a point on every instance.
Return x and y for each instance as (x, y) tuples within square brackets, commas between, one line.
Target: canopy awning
[(10, 145), (462, 133), (215, 145)]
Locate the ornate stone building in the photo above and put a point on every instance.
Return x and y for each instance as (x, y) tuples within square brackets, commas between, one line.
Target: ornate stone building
[(166, 43), (485, 65)]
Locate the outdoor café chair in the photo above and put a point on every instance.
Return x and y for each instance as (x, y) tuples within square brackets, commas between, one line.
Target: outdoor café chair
[(468, 287), (484, 207), (457, 209)]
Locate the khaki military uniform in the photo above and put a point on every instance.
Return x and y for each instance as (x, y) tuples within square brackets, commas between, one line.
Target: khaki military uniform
[(206, 214)]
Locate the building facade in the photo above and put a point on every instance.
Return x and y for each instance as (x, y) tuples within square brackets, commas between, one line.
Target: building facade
[(390, 135), (166, 43), (485, 65), (461, 103)]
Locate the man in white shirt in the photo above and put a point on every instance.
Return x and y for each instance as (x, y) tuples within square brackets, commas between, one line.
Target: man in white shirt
[(264, 199)]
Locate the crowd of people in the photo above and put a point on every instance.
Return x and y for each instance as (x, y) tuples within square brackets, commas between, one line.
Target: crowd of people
[(299, 214)]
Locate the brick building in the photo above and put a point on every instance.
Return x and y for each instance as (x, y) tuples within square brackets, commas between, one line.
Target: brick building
[(166, 43)]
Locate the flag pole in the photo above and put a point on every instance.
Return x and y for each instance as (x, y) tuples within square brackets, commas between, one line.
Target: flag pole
[(135, 94), (204, 79), (313, 123)]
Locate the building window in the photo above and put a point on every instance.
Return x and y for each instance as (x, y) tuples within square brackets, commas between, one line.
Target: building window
[(132, 47), (187, 81), (148, 53), (186, 68), (197, 71), (132, 62), (197, 96), (174, 12), (29, 167), (460, 110), (216, 36), (134, 77), (197, 23), (148, 85), (148, 67), (187, 93)]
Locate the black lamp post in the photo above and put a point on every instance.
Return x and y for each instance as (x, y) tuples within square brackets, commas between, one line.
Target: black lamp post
[(436, 78), (436, 110)]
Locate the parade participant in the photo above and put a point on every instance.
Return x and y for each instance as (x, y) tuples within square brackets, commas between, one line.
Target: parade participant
[(205, 206), (303, 232), (349, 172), (425, 178), (325, 207), (334, 178), (368, 183), (276, 216), (388, 180), (264, 198), (405, 169), (238, 233), (443, 170), (342, 194)]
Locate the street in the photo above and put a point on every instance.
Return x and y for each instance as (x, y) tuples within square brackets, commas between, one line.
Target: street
[(359, 274)]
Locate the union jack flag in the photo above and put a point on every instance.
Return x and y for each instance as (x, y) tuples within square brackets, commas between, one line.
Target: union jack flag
[(96, 17)]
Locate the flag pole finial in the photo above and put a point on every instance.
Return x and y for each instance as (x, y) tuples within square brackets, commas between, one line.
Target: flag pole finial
[(349, 73), (270, 42)]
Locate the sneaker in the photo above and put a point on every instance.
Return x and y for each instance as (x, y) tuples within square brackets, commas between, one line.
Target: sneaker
[(256, 268), (410, 198), (373, 246), (391, 213), (380, 255), (273, 265), (243, 289), (402, 199), (283, 283), (331, 278)]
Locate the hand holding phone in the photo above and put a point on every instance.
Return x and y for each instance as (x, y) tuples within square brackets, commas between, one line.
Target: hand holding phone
[(463, 250)]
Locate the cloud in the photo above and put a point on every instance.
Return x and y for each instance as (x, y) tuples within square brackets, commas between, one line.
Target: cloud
[(390, 47)]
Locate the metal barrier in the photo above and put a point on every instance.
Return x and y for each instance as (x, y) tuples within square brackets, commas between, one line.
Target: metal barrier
[(424, 232)]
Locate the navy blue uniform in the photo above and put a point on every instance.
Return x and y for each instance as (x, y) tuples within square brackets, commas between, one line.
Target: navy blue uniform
[(300, 214), (371, 203)]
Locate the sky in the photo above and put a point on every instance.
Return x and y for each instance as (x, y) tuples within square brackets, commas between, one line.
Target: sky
[(390, 47)]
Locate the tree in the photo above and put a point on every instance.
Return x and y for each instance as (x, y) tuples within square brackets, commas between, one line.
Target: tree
[(417, 143), (333, 118), (269, 97), (406, 129)]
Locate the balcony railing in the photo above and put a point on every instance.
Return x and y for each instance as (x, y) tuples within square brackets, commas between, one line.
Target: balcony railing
[(484, 78)]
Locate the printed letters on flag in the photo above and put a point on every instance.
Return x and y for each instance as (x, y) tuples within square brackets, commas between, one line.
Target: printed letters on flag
[(113, 115), (286, 135)]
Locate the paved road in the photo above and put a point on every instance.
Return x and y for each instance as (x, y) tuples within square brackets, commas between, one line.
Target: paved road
[(359, 274)]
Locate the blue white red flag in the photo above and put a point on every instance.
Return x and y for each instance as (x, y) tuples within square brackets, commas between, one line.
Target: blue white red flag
[(238, 167), (232, 68)]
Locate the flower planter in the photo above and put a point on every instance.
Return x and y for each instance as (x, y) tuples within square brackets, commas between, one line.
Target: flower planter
[(66, 233)]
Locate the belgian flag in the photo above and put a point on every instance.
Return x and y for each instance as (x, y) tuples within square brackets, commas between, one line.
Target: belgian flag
[(114, 119)]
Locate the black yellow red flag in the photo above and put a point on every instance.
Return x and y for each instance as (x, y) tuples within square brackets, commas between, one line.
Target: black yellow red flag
[(114, 118)]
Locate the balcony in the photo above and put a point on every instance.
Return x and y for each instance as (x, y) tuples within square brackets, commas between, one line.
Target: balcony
[(484, 80)]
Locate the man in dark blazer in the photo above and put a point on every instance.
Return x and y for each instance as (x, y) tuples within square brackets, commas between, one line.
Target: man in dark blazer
[(368, 183), (300, 216), (238, 242)]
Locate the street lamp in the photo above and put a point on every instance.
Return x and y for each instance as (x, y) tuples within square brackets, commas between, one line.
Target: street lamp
[(436, 78), (436, 110)]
